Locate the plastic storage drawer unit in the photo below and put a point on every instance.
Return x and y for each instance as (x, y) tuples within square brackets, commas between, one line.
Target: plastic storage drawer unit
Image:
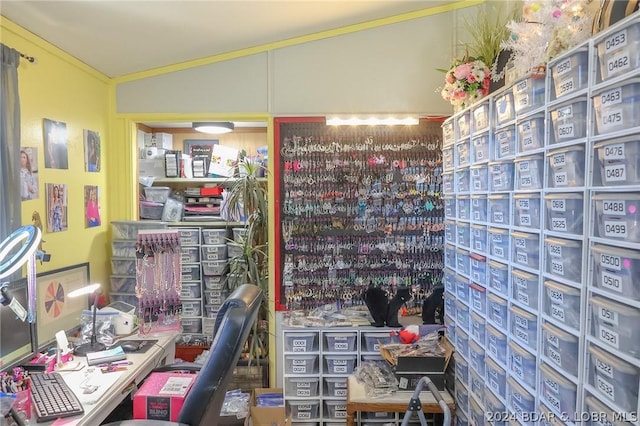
[(340, 364), (479, 207), (478, 297), (570, 73), (476, 358), (478, 327), (531, 133), (463, 123), (461, 396), (479, 238), (301, 387), (464, 207), (497, 310), (564, 213), (501, 176), (481, 148), (526, 210), (340, 342), (448, 159), (480, 117), (123, 266), (494, 409), (618, 108), (569, 120), (562, 303), (449, 280), (335, 387), (123, 248), (478, 267), (189, 254), (464, 234), (618, 216), (614, 379), (616, 325), (304, 409), (479, 178), (619, 161), (529, 172), (499, 209), (336, 409), (564, 258), (448, 186), (566, 167), (462, 368), (214, 252), (525, 249), (521, 402), (557, 392), (463, 152), (525, 288), (157, 194), (616, 270), (496, 344), (462, 261), (504, 110), (189, 236), (504, 144), (528, 94), (560, 347), (463, 180), (462, 315), (619, 52), (300, 342), (462, 342), (496, 378), (450, 256), (524, 327), (476, 384), (522, 364), (448, 134), (499, 243), (123, 283), (214, 236), (190, 272), (450, 231), (372, 341), (604, 414), (499, 277), (449, 207)]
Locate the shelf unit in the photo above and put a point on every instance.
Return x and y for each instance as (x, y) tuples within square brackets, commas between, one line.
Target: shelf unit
[(539, 298)]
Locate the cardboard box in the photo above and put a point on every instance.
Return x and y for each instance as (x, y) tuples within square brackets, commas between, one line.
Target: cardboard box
[(426, 364), (266, 416), (161, 396)]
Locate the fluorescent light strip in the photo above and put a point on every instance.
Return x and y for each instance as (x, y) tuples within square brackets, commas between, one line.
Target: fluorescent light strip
[(372, 121)]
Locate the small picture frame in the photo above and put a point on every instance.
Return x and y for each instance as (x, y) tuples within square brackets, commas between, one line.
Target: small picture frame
[(200, 166), (172, 164)]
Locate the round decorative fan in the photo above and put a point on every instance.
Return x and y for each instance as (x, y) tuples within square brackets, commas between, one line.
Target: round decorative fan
[(54, 299)]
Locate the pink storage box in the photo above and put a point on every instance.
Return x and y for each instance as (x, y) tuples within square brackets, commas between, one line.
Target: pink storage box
[(162, 395)]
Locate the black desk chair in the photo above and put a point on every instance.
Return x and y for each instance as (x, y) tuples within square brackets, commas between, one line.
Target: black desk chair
[(204, 401)]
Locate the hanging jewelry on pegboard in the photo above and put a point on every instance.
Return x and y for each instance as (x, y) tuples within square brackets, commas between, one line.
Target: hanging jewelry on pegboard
[(158, 280)]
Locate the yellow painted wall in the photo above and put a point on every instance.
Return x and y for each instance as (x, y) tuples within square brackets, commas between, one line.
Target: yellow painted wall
[(61, 88)]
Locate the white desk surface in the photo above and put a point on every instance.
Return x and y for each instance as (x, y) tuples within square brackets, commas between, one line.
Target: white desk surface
[(357, 394), (163, 352)]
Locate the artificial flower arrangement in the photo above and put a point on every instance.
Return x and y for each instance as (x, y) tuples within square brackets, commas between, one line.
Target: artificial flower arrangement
[(467, 81)]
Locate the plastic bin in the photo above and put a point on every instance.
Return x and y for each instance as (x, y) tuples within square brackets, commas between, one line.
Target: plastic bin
[(301, 387), (618, 216), (234, 250), (571, 73), (479, 238), (562, 303), (480, 148), (449, 280), (560, 347), (123, 248), (462, 288), (340, 342), (528, 94), (476, 386), (129, 298), (335, 387), (478, 327), (464, 153), (462, 342), (619, 161), (564, 258), (526, 210), (463, 180), (604, 415), (128, 230), (190, 272), (191, 308), (496, 344), (189, 254), (501, 176), (476, 358), (214, 236), (214, 267), (214, 252), (214, 282), (504, 110), (450, 231), (448, 134), (462, 261), (496, 378), (189, 236), (479, 207), (300, 342), (461, 396), (191, 325), (214, 297), (340, 364), (464, 208), (519, 400), (494, 409), (303, 409), (499, 277), (463, 123), (529, 172), (615, 324), (123, 283), (499, 209), (616, 270), (480, 115), (497, 308), (614, 379), (448, 186), (462, 315), (150, 210), (478, 268), (157, 194), (566, 167), (525, 249), (449, 207), (336, 409), (301, 364), (504, 143), (479, 178), (448, 159), (619, 52), (617, 108), (450, 260), (524, 327), (522, 364), (569, 120), (525, 288), (464, 234), (191, 290), (372, 341), (557, 392), (564, 213), (211, 311), (499, 243), (123, 266), (531, 133), (462, 368)]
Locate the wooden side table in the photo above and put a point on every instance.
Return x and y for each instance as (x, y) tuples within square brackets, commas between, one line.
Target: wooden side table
[(357, 400)]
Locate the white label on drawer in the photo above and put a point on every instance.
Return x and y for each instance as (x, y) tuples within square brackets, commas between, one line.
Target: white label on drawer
[(299, 343), (523, 101), (497, 319), (553, 401), (611, 262), (611, 281), (615, 173), (521, 282), (553, 340), (299, 362), (212, 256), (186, 277), (340, 392), (554, 356), (505, 148), (523, 297), (605, 387), (564, 113), (341, 346), (522, 335), (524, 166), (478, 244), (477, 303), (523, 204), (614, 152), (521, 257), (552, 385), (303, 415), (494, 386), (563, 67), (557, 312), (609, 336), (560, 179), (493, 349), (525, 127), (521, 86), (502, 137), (611, 97), (498, 251), (303, 392), (527, 141), (556, 296), (340, 414), (604, 367), (520, 242), (565, 86), (339, 369), (559, 224), (614, 208), (526, 181), (525, 220), (555, 250), (612, 118), (517, 369), (615, 41), (498, 217), (476, 332), (565, 131), (559, 160), (619, 63), (497, 181), (557, 267), (517, 359), (517, 397), (522, 322), (300, 369), (558, 205), (614, 228), (497, 238), (339, 362), (608, 316), (477, 184)]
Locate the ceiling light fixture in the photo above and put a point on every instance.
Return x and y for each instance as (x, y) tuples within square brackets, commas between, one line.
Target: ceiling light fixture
[(214, 127), (371, 121)]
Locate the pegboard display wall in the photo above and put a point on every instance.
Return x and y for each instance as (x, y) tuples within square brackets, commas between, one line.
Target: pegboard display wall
[(357, 205)]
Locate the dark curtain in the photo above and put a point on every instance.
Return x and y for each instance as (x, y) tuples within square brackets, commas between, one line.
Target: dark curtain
[(10, 216)]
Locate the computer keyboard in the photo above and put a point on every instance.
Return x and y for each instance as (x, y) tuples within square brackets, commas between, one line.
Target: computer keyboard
[(53, 398)]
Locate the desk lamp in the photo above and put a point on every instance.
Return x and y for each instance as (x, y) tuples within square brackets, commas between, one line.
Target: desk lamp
[(93, 345)]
